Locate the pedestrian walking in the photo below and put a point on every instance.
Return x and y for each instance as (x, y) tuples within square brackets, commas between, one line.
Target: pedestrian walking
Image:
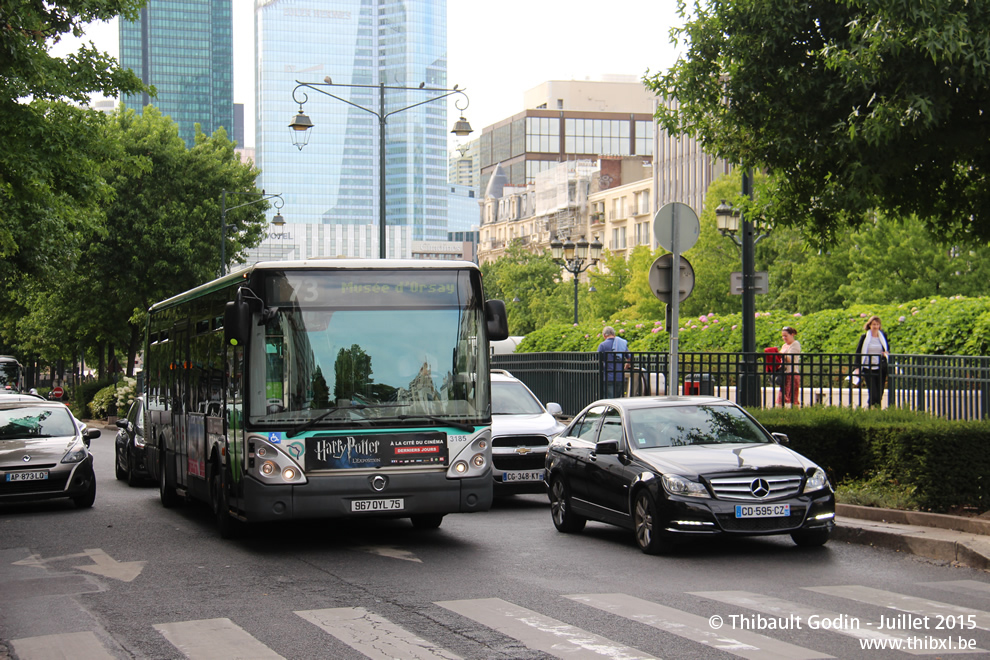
[(790, 353), (614, 349), (873, 350)]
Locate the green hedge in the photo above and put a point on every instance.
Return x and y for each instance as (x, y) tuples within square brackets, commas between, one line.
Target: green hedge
[(946, 463), (934, 326), (83, 395)]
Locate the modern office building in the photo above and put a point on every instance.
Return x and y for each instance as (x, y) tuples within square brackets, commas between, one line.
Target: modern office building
[(333, 182), (185, 49), (465, 166), (569, 120)]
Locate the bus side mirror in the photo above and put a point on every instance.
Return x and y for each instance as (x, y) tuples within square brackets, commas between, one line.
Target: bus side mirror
[(496, 320), (236, 322)]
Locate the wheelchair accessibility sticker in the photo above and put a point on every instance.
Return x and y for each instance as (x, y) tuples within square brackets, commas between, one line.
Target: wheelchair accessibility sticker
[(275, 438)]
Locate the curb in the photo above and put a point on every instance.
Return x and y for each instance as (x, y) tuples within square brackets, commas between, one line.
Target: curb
[(954, 539), (919, 518)]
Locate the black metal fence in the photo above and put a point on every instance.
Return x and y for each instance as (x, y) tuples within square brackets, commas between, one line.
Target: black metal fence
[(947, 386)]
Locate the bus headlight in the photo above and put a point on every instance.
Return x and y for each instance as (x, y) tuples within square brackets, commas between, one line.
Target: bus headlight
[(474, 460), (273, 465)]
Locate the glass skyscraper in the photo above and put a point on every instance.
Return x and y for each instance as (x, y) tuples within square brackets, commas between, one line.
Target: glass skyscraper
[(185, 49), (333, 181)]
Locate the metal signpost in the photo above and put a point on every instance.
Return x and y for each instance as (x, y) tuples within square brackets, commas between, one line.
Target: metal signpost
[(676, 228)]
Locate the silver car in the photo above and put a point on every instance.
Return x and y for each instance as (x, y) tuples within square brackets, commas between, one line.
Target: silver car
[(521, 432), (44, 453)]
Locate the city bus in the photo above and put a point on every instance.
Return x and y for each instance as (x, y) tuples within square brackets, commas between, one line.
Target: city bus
[(328, 388), (11, 374)]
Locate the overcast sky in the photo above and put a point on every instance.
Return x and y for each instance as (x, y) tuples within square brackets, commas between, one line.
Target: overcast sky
[(498, 50)]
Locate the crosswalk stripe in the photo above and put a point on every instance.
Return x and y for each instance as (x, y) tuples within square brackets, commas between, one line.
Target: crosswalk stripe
[(971, 587), (845, 625), (910, 604), (215, 639), (374, 636), (696, 628), (67, 646), (540, 632)]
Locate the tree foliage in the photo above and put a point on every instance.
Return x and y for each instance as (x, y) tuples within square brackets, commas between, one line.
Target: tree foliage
[(849, 105), (531, 286), (49, 150), (158, 235)]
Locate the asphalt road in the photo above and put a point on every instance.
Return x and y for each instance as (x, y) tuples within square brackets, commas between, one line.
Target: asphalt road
[(130, 579)]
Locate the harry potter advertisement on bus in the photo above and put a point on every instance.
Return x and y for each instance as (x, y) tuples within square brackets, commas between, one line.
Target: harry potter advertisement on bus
[(376, 450)]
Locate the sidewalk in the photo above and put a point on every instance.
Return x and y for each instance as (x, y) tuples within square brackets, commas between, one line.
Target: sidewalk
[(965, 541)]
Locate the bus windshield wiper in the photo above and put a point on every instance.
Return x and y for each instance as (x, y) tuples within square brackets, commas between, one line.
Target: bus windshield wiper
[(305, 426), (438, 420)]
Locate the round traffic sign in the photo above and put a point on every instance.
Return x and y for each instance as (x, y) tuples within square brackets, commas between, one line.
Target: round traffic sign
[(57, 392), (660, 280), (688, 227)]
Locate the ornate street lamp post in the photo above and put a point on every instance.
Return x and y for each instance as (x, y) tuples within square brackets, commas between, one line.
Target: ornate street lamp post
[(277, 220), (728, 223), (572, 256), (302, 124)]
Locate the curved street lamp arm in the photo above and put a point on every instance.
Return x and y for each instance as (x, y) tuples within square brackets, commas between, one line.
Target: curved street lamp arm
[(266, 196), (430, 100), (315, 87)]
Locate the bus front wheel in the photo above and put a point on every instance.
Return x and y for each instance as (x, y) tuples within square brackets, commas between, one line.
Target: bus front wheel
[(227, 525), (427, 521)]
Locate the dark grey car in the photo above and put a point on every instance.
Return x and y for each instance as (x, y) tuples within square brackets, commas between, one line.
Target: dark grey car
[(130, 457)]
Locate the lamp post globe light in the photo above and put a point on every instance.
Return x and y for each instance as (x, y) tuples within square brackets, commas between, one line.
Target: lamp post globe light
[(730, 222), (573, 256), (278, 220), (301, 125)]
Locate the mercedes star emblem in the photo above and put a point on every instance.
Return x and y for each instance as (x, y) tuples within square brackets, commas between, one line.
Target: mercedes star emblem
[(760, 488)]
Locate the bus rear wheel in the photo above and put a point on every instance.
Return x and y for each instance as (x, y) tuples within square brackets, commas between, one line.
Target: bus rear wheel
[(427, 520)]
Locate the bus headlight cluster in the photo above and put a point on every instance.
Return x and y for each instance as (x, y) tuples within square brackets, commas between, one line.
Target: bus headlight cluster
[(472, 461), (271, 464)]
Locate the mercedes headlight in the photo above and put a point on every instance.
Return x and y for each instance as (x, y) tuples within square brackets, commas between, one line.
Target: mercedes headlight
[(676, 485), (817, 481)]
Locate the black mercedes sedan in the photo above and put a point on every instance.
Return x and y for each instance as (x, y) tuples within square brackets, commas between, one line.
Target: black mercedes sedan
[(669, 468)]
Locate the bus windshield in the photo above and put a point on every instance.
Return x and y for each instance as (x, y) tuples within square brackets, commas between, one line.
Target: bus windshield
[(371, 348), (10, 375)]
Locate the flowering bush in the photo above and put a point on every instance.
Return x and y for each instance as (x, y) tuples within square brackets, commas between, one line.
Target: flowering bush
[(122, 395), (126, 393)]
